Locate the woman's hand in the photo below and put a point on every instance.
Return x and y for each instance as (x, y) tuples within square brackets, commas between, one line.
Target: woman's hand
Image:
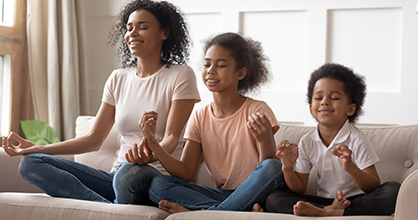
[(22, 148), (140, 155), (287, 153)]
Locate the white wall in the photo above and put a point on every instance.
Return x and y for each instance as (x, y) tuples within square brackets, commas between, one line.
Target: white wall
[(377, 38)]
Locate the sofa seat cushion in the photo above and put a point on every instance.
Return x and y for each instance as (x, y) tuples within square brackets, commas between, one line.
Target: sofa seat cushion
[(41, 206), (228, 215)]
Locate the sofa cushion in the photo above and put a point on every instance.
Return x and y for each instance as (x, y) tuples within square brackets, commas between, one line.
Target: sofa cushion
[(108, 153), (41, 206)]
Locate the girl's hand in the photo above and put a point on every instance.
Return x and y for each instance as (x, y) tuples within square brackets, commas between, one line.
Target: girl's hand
[(260, 127), (287, 153), (148, 125), (140, 155), (344, 155), (22, 148)]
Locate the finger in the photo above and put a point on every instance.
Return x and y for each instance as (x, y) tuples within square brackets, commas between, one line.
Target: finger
[(253, 123), (133, 158), (147, 150), (256, 120), (145, 116), (136, 152), (336, 152), (16, 137), (294, 149), (10, 151), (344, 149), (148, 115), (252, 129), (263, 118), (128, 158), (284, 142), (142, 153)]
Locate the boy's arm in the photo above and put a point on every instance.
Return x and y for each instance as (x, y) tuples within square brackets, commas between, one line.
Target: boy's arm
[(367, 179), (288, 153)]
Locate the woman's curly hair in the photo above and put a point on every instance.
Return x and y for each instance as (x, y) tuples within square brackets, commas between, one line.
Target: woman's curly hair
[(354, 85), (247, 53), (175, 49)]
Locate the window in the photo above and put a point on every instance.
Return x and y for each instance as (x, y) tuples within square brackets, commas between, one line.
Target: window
[(6, 12), (15, 96), (4, 94)]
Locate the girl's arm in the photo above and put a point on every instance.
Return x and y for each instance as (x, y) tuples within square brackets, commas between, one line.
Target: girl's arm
[(367, 179), (261, 128), (288, 153), (186, 167), (178, 115), (90, 142)]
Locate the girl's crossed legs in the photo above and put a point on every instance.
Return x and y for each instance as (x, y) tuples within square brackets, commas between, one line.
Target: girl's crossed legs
[(266, 177)]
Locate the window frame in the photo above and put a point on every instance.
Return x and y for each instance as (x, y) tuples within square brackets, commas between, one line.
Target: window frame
[(13, 42)]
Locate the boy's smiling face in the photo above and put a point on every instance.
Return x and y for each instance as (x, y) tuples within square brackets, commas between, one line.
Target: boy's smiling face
[(331, 105)]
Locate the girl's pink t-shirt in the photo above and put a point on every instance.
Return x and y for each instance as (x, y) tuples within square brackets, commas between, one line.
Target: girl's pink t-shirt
[(229, 149)]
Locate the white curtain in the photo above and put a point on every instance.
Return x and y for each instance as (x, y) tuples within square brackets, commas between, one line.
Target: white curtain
[(53, 60)]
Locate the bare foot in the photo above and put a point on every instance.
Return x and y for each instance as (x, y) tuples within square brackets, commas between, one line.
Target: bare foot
[(171, 207), (340, 201), (257, 208), (307, 209)]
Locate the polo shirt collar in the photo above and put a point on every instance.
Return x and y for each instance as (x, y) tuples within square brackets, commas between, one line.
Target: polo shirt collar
[(341, 137)]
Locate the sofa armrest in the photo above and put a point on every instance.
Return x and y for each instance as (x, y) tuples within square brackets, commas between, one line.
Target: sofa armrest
[(407, 201), (11, 181)]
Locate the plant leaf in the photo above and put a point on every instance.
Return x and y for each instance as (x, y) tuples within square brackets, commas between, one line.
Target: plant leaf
[(39, 132)]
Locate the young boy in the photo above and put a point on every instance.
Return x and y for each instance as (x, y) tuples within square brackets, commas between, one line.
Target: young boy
[(348, 181)]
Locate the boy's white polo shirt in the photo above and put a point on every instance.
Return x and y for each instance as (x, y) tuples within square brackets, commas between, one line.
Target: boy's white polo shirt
[(331, 176)]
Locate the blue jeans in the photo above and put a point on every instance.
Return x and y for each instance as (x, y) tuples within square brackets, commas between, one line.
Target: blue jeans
[(255, 189), (58, 177)]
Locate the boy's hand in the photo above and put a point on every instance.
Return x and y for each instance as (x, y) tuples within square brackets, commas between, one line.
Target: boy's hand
[(287, 153), (344, 154), (259, 125)]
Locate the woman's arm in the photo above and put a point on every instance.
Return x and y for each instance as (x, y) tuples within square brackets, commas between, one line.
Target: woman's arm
[(177, 117), (90, 142)]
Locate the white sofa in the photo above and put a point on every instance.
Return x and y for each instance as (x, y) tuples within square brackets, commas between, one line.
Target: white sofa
[(397, 147)]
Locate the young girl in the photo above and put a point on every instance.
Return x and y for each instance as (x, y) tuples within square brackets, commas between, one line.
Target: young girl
[(348, 181), (154, 42), (234, 134)]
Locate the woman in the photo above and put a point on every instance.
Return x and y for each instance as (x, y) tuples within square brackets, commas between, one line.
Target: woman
[(153, 83)]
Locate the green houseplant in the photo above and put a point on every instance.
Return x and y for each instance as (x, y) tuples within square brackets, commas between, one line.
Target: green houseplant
[(39, 132)]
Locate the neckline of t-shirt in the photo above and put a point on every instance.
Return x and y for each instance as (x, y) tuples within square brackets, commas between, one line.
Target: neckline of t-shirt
[(148, 77), (231, 116)]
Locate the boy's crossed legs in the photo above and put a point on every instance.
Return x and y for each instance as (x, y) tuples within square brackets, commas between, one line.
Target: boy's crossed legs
[(379, 202)]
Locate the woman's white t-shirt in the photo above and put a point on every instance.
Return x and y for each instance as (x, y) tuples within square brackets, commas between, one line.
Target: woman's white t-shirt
[(132, 96)]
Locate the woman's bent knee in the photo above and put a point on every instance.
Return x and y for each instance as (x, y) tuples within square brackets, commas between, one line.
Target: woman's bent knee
[(29, 164), (129, 174)]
